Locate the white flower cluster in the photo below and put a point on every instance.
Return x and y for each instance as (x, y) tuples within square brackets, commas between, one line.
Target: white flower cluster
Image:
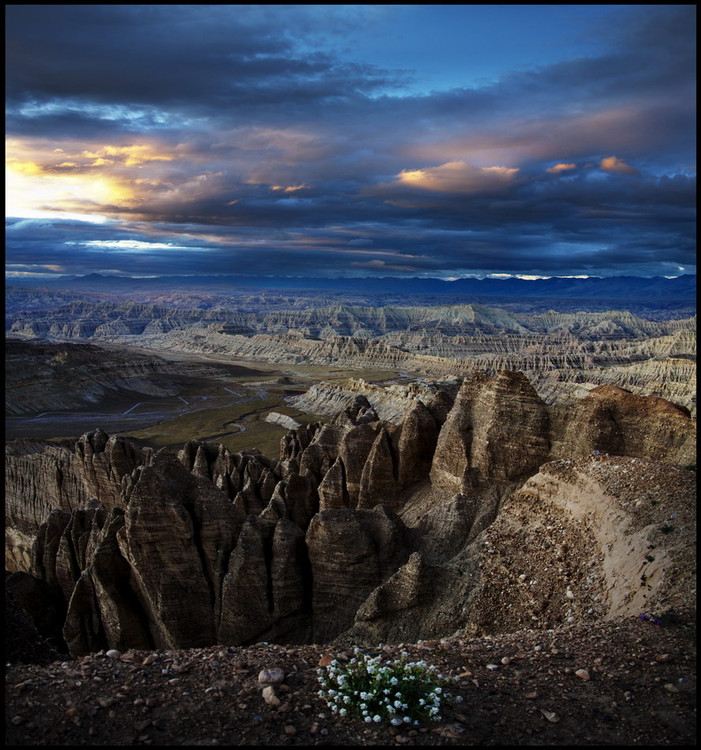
[(403, 692)]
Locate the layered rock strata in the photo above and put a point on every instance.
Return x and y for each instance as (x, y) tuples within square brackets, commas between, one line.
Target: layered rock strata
[(363, 528), (43, 477), (555, 349)]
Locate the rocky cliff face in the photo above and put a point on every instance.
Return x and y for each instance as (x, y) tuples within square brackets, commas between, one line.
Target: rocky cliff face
[(481, 510), (43, 477)]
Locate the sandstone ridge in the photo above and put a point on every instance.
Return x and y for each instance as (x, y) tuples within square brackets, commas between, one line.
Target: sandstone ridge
[(482, 510)]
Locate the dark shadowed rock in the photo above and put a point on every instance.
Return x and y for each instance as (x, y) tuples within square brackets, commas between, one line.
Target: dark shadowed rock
[(351, 553), (417, 443), (378, 481), (174, 538), (247, 604), (355, 447), (333, 492), (41, 477)]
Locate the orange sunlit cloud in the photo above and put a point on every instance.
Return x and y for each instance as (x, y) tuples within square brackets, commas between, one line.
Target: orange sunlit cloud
[(457, 177), (562, 167), (134, 155), (520, 140), (289, 188), (614, 164)]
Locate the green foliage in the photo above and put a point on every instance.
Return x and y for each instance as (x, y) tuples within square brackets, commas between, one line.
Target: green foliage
[(690, 467), (402, 691)]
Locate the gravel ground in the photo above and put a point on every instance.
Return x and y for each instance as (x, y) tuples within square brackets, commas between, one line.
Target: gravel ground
[(621, 682)]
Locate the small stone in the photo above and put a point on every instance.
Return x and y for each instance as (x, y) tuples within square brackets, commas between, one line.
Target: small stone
[(492, 666), (551, 716), (17, 720), (271, 676), (269, 696), (670, 688), (325, 660), (71, 712), (662, 657), (113, 653), (506, 661), (583, 674), (290, 730)]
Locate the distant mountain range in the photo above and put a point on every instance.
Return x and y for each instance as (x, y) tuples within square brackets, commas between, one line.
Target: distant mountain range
[(658, 291)]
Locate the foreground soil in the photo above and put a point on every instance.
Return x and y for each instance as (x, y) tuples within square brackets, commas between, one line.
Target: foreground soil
[(623, 682)]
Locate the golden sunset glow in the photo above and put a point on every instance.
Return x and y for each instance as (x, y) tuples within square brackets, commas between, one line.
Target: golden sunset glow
[(73, 182), (32, 193)]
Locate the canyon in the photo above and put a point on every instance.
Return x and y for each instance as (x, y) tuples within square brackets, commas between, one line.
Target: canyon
[(483, 511), (512, 469), (564, 354)]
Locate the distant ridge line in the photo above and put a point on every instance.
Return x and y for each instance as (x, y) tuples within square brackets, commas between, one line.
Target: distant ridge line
[(679, 288)]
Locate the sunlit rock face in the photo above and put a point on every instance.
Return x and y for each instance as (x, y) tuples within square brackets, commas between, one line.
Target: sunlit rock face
[(497, 430), (362, 528), (613, 420)]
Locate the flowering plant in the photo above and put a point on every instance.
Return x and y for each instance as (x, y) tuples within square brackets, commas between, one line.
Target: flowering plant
[(402, 691), (665, 618)]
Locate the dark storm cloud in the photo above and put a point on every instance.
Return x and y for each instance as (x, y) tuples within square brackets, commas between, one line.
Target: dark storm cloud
[(225, 131), (196, 58)]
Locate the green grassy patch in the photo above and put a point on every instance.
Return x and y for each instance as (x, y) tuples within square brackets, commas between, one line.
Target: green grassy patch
[(238, 427)]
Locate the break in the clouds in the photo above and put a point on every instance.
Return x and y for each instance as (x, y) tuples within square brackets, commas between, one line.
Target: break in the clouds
[(351, 140)]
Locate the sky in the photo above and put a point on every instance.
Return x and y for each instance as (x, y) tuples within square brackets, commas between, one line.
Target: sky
[(440, 141)]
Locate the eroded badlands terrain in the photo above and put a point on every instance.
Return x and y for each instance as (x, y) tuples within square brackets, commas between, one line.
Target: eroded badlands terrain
[(464, 513), (563, 353), (361, 528)]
